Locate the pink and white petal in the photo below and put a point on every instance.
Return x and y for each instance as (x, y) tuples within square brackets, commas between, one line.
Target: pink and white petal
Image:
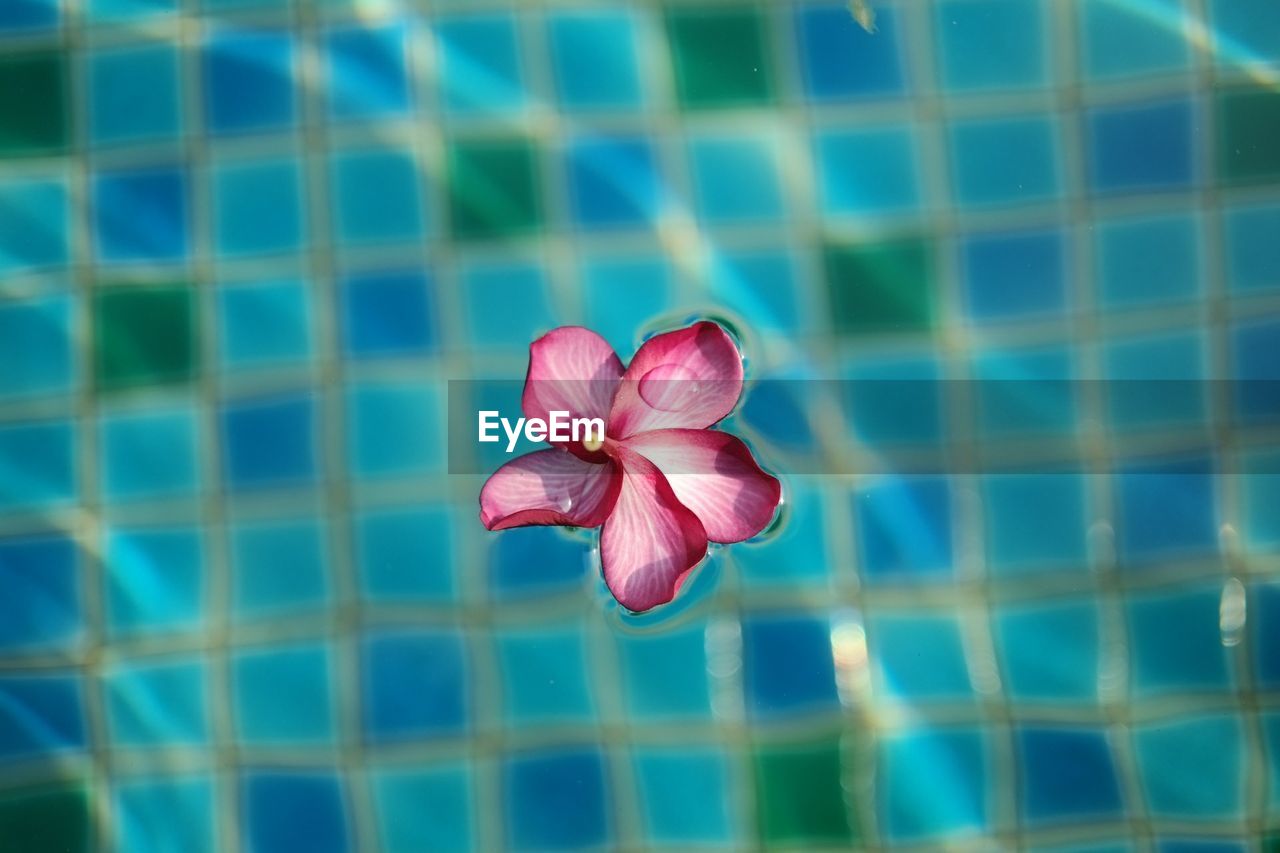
[(571, 369), (650, 541), (549, 487), (689, 378), (715, 475)]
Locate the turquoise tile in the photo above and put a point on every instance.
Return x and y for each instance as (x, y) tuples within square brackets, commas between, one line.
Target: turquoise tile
[(407, 554), (157, 702), (760, 285), (1025, 392), (1259, 485), (134, 95), (623, 294), (1176, 642), (686, 796), (1119, 40), (736, 178), (665, 674), (545, 677), (918, 657), (1192, 767), (1252, 251), (394, 429), (265, 324), (37, 347), (378, 197), (155, 814), (282, 695), (991, 44), (1156, 380), (594, 59), (37, 465), (1246, 32), (1036, 522), (258, 208), (1049, 652), (851, 188), (154, 580), (1005, 161), (481, 64), (150, 454), (279, 568), (797, 552), (425, 807), (523, 291), (35, 216), (933, 783)]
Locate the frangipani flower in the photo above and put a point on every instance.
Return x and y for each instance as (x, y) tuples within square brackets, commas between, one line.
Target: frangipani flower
[(660, 481)]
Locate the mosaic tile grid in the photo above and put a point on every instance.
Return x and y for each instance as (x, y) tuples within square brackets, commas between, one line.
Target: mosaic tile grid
[(244, 245)]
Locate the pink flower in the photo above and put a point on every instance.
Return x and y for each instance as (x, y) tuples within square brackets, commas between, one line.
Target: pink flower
[(660, 482)]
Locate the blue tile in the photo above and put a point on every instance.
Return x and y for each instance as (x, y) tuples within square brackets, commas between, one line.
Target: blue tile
[(1014, 275), (932, 783), (760, 284), (22, 15), (593, 55), (794, 554), (249, 84), (141, 215), (265, 323), (788, 666), (778, 414), (480, 64), (544, 677), (1246, 31), (1255, 351), (991, 44), (1156, 380), (133, 95), (154, 580), (736, 178), (1149, 260), (1049, 652), (1005, 161), (533, 562), (1252, 250), (269, 442), (35, 346), (162, 814), (116, 11), (377, 199), (666, 674), (622, 293), (919, 656), (556, 800), (1129, 40), (258, 208), (40, 715), (840, 60), (685, 796), (415, 685), (1175, 642), (286, 811), (40, 610), (1166, 509), (905, 529), (523, 291), (34, 217), (283, 695), (368, 72), (278, 567), (157, 702), (1067, 774), (894, 401), (393, 429), (1265, 626), (1025, 392), (849, 188), (149, 454), (37, 468), (406, 554), (388, 314), (614, 182), (1035, 522), (427, 809), (1192, 767), (1141, 147)]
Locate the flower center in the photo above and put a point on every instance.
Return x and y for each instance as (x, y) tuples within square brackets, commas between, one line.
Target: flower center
[(592, 441)]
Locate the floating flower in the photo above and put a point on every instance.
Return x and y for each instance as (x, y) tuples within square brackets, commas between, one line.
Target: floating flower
[(660, 481)]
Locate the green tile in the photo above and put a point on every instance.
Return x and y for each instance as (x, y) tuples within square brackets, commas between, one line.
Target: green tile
[(494, 190), (44, 819), (880, 287), (143, 335), (720, 57), (1249, 128), (800, 794), (33, 103)]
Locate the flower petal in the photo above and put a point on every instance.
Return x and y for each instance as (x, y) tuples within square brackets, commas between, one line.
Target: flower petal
[(650, 540), (715, 475), (549, 487), (689, 378), (571, 369)]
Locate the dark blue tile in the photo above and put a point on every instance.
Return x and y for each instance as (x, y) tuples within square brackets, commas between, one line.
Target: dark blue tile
[(283, 695), (1256, 353), (614, 182), (481, 63), (406, 554), (149, 454), (1050, 652), (932, 783), (905, 529), (841, 60), (368, 74), (919, 657), (534, 561), (1166, 509), (1141, 147), (258, 208), (556, 800), (155, 580), (21, 15), (279, 567), (40, 609), (34, 219), (1265, 625), (1014, 274), (284, 812), (134, 95), (593, 55), (388, 314), (158, 703), (414, 685), (37, 465), (40, 715), (141, 215), (1176, 642), (666, 674), (1005, 162), (249, 83), (991, 44), (1067, 774), (269, 442), (788, 666), (1035, 522)]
